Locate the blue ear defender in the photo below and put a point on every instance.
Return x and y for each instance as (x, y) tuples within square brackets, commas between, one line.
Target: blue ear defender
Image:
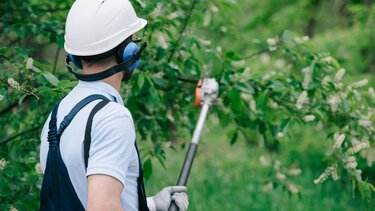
[(127, 50), (128, 56)]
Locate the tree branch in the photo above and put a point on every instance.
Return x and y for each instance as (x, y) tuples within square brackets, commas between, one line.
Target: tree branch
[(183, 79), (255, 54), (13, 105), (182, 30), (55, 61), (11, 138)]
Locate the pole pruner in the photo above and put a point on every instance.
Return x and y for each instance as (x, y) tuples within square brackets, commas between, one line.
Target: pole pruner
[(206, 95)]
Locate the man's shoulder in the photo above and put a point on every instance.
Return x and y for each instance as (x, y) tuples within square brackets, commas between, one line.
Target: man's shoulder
[(114, 109)]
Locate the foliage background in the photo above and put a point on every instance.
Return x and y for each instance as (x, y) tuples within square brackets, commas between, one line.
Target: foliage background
[(291, 106)]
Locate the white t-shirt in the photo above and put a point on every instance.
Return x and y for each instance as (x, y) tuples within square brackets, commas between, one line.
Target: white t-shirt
[(112, 150)]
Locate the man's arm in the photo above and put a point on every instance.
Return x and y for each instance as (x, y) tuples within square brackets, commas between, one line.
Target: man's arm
[(104, 193)]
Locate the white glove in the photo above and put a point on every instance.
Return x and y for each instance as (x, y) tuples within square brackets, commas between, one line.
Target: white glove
[(162, 200)]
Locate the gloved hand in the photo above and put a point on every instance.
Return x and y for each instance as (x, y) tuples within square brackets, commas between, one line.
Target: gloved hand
[(163, 199)]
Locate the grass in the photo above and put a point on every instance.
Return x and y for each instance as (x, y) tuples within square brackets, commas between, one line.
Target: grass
[(226, 177)]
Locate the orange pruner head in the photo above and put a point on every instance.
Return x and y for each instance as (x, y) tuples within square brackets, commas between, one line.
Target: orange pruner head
[(197, 101)]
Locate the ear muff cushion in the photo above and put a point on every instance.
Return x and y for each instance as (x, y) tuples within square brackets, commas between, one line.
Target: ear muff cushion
[(76, 61), (126, 51)]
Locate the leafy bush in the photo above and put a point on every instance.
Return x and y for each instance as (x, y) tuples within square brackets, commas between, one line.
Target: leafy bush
[(305, 87)]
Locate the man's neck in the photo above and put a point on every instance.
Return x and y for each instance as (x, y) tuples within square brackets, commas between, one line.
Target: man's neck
[(114, 80)]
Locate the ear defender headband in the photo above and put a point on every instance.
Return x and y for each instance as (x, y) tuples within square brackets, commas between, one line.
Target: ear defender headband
[(128, 56)]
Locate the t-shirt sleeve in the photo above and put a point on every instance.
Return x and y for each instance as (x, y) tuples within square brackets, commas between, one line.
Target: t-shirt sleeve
[(112, 143)]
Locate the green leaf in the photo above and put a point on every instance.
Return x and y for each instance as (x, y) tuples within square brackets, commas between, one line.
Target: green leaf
[(52, 79), (364, 190), (287, 39), (22, 98), (140, 81), (232, 135), (147, 165), (285, 125)]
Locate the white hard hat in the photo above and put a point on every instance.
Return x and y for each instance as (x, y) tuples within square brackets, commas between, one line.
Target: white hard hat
[(97, 26)]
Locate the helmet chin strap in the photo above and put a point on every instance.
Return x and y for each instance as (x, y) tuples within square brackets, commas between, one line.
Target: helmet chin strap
[(124, 66)]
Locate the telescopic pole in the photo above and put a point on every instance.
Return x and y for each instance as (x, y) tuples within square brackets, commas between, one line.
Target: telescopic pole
[(208, 96)]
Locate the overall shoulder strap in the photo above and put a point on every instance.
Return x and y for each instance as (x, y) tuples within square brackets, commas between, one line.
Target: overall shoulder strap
[(87, 140), (52, 130), (142, 200), (68, 118)]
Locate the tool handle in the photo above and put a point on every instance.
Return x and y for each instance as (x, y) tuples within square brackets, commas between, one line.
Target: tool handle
[(189, 158), (185, 171)]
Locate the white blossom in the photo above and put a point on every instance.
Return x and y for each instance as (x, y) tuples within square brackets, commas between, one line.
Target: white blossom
[(303, 39), (365, 122), (223, 29), (219, 49), (280, 135), (328, 59), (277, 165), (294, 172), (372, 92), (3, 163), (280, 176), (205, 42), (357, 148), (351, 163), (273, 104), (214, 9), (265, 58), (161, 40), (246, 72), (302, 99), (156, 11), (1, 97), (272, 48), (14, 83), (272, 42), (253, 106), (38, 168), (306, 38), (239, 63), (309, 118), (29, 63), (340, 74), (207, 18), (11, 208), (361, 83), (335, 175), (298, 40), (292, 188), (264, 161), (279, 63), (319, 126), (325, 174), (357, 94), (325, 80), (268, 186), (334, 102), (174, 15), (307, 78), (338, 141)]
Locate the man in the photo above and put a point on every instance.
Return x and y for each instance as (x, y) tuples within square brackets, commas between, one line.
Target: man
[(103, 173)]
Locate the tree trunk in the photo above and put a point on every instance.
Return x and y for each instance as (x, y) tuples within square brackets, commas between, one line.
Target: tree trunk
[(311, 23)]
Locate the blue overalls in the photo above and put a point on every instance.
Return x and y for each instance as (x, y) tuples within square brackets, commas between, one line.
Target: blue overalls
[(57, 190)]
